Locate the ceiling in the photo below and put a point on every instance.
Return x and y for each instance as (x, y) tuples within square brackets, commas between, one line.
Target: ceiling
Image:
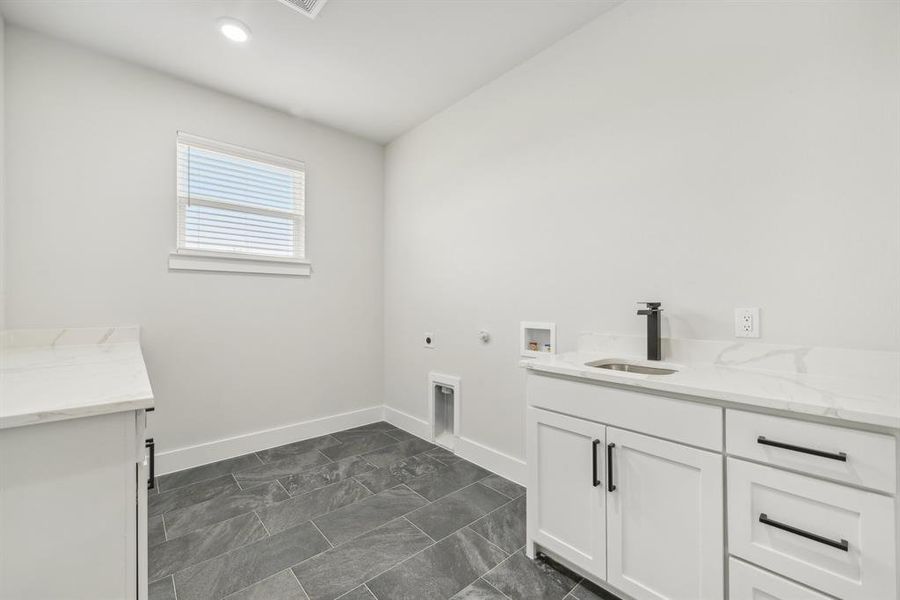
[(375, 68)]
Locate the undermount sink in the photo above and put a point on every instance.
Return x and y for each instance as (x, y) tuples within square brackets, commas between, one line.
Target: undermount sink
[(630, 367)]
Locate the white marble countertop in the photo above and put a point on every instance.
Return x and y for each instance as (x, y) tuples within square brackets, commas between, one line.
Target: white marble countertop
[(866, 391), (56, 374)]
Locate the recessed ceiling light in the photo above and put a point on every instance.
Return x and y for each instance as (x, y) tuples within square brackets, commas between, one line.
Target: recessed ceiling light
[(234, 30)]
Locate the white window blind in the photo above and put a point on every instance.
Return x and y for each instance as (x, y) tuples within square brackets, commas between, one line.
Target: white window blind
[(239, 203)]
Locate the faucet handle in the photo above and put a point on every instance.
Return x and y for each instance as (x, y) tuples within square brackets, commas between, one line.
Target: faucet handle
[(652, 305)]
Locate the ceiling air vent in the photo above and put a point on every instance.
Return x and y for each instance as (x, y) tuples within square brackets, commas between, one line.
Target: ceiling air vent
[(310, 8)]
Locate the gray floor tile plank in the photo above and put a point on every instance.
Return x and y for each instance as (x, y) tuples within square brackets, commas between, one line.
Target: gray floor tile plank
[(356, 519), (401, 436), (156, 533), (447, 479), (454, 511), (360, 593), (380, 426), (399, 472), (191, 494), (337, 571), (163, 589), (588, 591), (280, 586), (203, 544), (390, 454), (245, 566), (506, 487), (302, 447), (504, 527), (304, 507), (271, 471), (358, 444), (301, 483), (523, 579), (210, 471), (442, 454), (185, 520), (480, 590), (440, 571)]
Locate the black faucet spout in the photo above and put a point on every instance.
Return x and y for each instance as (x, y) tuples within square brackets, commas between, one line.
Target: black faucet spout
[(654, 329)]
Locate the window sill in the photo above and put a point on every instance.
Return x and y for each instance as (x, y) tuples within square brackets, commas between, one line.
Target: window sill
[(185, 260)]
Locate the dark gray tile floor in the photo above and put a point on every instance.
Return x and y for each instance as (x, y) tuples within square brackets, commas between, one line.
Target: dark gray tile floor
[(371, 513)]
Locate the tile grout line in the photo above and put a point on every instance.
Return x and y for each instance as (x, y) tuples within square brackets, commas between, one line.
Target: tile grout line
[(165, 533), (469, 527), (497, 566), (256, 514), (331, 546), (417, 527), (297, 579), (353, 477), (493, 587)]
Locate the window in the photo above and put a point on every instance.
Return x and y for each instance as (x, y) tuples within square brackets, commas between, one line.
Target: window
[(238, 209)]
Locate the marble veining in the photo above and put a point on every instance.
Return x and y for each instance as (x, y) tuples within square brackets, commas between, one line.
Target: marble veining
[(56, 374), (846, 385)]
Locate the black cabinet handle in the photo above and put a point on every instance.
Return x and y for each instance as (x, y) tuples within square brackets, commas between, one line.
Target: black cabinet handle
[(841, 545), (610, 486), (832, 455), (594, 479), (151, 482)]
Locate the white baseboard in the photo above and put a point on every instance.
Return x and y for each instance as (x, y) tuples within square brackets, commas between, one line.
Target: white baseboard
[(201, 454), (408, 423), (484, 456), (493, 460)]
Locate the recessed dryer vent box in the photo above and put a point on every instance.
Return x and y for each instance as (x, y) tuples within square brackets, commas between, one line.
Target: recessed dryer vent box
[(443, 408)]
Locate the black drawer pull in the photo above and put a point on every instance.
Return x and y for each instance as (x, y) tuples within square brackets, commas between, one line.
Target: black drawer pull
[(151, 482), (594, 479), (841, 545), (610, 486), (832, 455)]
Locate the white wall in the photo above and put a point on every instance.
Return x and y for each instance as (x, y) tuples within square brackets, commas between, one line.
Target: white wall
[(706, 154), (2, 178), (91, 206)]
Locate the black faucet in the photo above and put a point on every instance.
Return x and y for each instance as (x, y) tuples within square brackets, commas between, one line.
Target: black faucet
[(654, 347)]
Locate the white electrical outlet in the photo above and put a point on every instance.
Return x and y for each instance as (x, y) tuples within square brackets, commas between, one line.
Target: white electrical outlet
[(428, 339), (746, 322)]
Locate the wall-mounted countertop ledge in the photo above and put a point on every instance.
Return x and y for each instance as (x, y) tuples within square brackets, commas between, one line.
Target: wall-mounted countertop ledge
[(860, 387), (56, 374)]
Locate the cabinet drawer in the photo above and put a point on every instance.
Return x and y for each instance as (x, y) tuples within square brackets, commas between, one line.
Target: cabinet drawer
[(857, 457), (747, 582), (828, 536)]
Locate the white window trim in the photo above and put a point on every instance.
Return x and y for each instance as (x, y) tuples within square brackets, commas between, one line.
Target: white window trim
[(197, 260), (185, 259)]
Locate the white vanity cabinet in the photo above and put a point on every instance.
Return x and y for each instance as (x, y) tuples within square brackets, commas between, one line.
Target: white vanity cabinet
[(636, 490), (642, 513), (73, 516), (74, 464)]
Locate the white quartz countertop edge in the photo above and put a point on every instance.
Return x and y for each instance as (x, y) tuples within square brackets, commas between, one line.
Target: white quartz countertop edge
[(61, 374), (74, 412), (743, 388)]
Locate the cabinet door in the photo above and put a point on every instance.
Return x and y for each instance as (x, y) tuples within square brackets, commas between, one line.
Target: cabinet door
[(664, 519), (565, 493)]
